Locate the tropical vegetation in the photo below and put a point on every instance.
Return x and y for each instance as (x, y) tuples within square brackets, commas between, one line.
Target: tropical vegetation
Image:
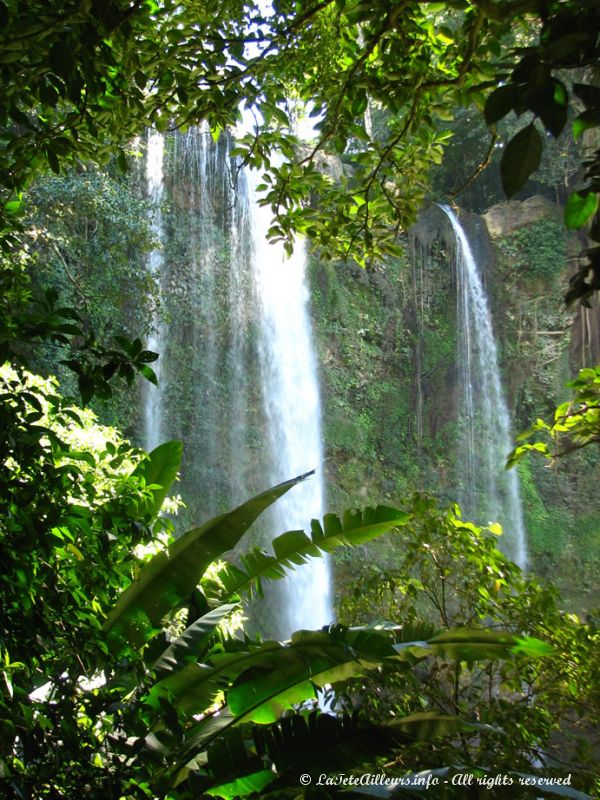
[(127, 670)]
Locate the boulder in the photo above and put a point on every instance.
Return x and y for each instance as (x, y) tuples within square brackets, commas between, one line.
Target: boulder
[(507, 217)]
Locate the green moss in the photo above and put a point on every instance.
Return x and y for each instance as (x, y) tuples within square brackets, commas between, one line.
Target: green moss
[(538, 250)]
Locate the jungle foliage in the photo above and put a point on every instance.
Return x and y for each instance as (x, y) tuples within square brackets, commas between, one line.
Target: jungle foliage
[(576, 422), (82, 79), (121, 676)]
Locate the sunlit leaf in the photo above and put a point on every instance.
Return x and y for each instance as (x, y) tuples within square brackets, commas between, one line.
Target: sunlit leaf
[(579, 208), (169, 578)]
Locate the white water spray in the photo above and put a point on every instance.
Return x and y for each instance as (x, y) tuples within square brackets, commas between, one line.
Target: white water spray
[(155, 190), (491, 492), (241, 340), (292, 405)]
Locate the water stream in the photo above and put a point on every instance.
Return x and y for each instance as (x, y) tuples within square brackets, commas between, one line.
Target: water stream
[(490, 493), (240, 383), (293, 410), (152, 402)]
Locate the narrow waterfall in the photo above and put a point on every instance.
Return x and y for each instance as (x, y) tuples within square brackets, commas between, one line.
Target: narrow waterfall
[(491, 493), (292, 403), (155, 190)]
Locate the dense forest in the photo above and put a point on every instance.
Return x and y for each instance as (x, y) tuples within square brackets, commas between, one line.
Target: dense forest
[(299, 399)]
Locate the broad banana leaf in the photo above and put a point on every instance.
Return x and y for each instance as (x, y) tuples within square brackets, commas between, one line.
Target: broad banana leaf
[(190, 646), (270, 680), (243, 786), (464, 644), (295, 547), (264, 681), (169, 578), (315, 745), (312, 744)]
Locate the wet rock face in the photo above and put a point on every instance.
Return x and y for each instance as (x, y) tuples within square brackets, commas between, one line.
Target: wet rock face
[(507, 217)]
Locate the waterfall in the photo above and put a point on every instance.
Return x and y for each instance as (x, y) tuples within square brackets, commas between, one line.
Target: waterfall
[(155, 189), (209, 302), (491, 493), (292, 405), (239, 376), (241, 299)]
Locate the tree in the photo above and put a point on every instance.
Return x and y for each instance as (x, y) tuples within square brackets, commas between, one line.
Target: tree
[(82, 79), (450, 572), (95, 694), (67, 494), (576, 422)]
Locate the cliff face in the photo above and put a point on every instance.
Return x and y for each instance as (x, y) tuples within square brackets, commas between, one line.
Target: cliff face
[(387, 342), (536, 213), (506, 218)]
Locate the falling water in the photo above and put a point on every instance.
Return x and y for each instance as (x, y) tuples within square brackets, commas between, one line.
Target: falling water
[(241, 301), (155, 190), (201, 170), (491, 492), (292, 405), (209, 302), (239, 378)]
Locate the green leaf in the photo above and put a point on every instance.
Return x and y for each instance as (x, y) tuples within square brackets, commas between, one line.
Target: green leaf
[(61, 145), (169, 578), (159, 470), (566, 46), (431, 725), (53, 161), (534, 648), (547, 99), (147, 357), (270, 678), (554, 116), (148, 373), (122, 162), (194, 687), (500, 103), (268, 681), (465, 644), (320, 743), (285, 678), (520, 159), (243, 786), (579, 208), (13, 207), (293, 548), (191, 644), (60, 60), (586, 120)]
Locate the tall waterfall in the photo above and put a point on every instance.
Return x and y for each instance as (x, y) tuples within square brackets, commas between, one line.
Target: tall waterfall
[(490, 492), (239, 376), (155, 190), (292, 404)]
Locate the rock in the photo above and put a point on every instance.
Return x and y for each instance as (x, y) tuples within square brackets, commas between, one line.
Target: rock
[(324, 162), (508, 217)]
